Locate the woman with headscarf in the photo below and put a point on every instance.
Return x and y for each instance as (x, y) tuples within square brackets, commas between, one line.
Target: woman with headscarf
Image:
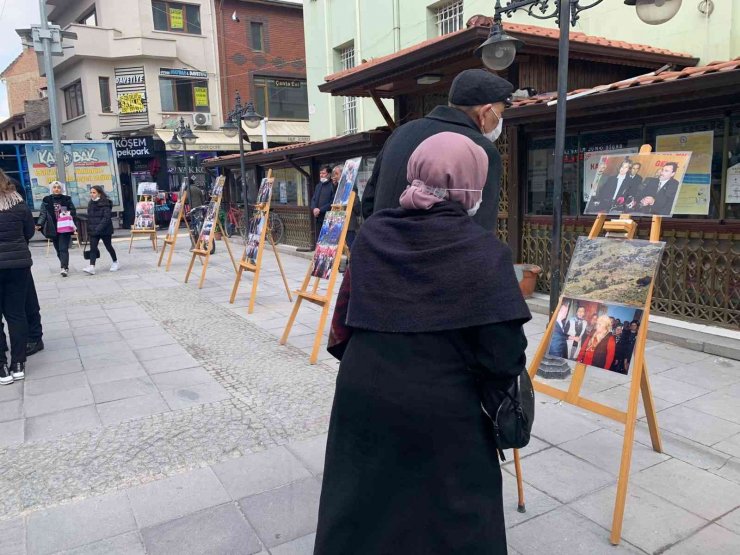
[(598, 349), (436, 316), (52, 207)]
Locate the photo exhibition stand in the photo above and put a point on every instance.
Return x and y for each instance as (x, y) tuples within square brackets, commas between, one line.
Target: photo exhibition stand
[(151, 231), (202, 248), (624, 228), (312, 295), (171, 237), (246, 265)]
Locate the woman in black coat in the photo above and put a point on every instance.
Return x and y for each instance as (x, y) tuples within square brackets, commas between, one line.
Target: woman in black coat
[(16, 229), (100, 227), (436, 316), (51, 206)]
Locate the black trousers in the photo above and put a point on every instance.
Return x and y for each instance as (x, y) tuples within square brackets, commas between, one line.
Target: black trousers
[(33, 317), (13, 287), (61, 245), (95, 253)]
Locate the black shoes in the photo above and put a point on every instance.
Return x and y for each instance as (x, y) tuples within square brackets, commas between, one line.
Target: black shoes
[(18, 370), (34, 347), (5, 376)]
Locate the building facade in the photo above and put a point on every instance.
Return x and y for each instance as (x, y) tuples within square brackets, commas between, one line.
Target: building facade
[(343, 34), (22, 81)]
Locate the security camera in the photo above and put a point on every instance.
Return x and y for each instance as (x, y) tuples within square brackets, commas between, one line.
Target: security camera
[(235, 17)]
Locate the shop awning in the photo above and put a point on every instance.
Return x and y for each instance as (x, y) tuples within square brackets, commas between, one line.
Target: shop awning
[(282, 132), (206, 141), (146, 130)]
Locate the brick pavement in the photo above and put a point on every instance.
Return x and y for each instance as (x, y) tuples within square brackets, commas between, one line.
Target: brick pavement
[(162, 419)]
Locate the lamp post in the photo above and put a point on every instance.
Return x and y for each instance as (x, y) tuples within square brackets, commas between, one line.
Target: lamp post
[(255, 120), (498, 53), (182, 135), (232, 127)]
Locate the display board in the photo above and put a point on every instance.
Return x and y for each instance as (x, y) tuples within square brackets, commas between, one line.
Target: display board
[(211, 225), (144, 221), (258, 232), (697, 183), (174, 227), (639, 184)]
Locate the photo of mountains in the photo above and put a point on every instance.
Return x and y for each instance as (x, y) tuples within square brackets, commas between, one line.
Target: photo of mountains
[(613, 270)]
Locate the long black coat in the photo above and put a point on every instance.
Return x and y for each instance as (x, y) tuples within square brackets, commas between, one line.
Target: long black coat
[(48, 216), (16, 230), (99, 218), (388, 179), (410, 453)]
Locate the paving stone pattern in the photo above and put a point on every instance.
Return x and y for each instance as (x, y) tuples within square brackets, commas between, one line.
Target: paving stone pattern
[(161, 419)]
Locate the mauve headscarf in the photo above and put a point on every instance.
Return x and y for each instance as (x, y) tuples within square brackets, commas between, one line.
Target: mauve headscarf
[(446, 166)]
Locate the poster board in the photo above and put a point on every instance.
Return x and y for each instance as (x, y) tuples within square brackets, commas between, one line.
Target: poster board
[(639, 382), (732, 195), (258, 233), (650, 190), (173, 229), (211, 226), (592, 168), (144, 220), (697, 183)]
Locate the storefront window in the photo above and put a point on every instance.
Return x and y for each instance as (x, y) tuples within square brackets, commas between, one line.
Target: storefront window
[(732, 174), (184, 95), (540, 176), (281, 98), (176, 17), (291, 187)]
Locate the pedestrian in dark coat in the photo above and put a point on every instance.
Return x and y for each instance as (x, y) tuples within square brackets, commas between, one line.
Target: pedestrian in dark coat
[(16, 230), (436, 316), (476, 102), (51, 206), (100, 227), (322, 198)]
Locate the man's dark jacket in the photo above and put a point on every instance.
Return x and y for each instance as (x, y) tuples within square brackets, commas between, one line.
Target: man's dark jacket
[(663, 198), (323, 196), (388, 179)]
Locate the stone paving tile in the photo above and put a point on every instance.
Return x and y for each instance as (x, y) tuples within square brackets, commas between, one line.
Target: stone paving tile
[(618, 398), (535, 502), (718, 404), (77, 524), (13, 537), (175, 497), (730, 470), (60, 423), (12, 392), (563, 476), (197, 394), (87, 331), (96, 337), (85, 323), (105, 372), (260, 472), (301, 546), (650, 522), (152, 341), (216, 530), (125, 544), (36, 405), (562, 531), (168, 351), (674, 391), (11, 434), (311, 452), (683, 449), (697, 426), (144, 323), (60, 343), (688, 487), (712, 539), (731, 521), (557, 424), (181, 378), (131, 408), (54, 357), (36, 371), (169, 364), (55, 384), (11, 410), (284, 514), (711, 378), (122, 389)]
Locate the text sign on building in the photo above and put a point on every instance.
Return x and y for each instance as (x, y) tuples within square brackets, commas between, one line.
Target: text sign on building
[(131, 97), (189, 73), (134, 147), (286, 84)]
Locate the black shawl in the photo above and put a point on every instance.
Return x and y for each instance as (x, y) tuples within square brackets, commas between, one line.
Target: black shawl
[(430, 270)]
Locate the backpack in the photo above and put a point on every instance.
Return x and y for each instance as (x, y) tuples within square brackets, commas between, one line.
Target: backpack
[(511, 412)]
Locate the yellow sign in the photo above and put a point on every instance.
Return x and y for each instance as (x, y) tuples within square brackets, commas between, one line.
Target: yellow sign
[(201, 96), (131, 103), (693, 198), (176, 21)]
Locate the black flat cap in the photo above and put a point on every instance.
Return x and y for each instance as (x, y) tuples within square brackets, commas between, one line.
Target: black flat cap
[(474, 87)]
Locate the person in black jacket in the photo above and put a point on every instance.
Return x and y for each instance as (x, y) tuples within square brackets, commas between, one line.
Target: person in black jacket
[(475, 109), (322, 197), (16, 229), (51, 206), (100, 227)]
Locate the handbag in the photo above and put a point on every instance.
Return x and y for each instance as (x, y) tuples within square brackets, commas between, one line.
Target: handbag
[(86, 251), (65, 223), (512, 413)]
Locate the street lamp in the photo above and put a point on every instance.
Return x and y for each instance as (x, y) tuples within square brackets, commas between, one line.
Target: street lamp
[(498, 52), (231, 128), (254, 120), (182, 136)]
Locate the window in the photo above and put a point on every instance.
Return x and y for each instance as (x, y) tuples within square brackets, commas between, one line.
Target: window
[(73, 100), (281, 98), (104, 86), (256, 35), (176, 17), (349, 103), (449, 17), (90, 18), (184, 95)]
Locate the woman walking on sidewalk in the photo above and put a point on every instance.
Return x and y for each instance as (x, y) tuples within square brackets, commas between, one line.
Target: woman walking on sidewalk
[(16, 229), (100, 227), (52, 207)]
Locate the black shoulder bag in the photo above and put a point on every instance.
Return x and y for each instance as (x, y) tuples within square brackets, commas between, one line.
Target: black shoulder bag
[(511, 411)]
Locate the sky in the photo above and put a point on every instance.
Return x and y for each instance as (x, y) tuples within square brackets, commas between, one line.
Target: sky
[(14, 14)]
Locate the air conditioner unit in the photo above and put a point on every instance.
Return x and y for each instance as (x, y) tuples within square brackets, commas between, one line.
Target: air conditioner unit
[(201, 120)]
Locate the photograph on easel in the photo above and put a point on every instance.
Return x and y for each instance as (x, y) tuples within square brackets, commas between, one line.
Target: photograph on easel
[(265, 192), (596, 333), (328, 244), (638, 184), (144, 217), (256, 225), (208, 223), (613, 270), (347, 180)]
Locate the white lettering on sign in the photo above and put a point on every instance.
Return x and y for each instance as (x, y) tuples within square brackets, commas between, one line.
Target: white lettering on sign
[(130, 79), (289, 84)]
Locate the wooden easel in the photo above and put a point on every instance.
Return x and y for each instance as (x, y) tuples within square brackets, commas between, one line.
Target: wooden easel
[(640, 383), (245, 264), (171, 237), (312, 295), (152, 232), (202, 248)]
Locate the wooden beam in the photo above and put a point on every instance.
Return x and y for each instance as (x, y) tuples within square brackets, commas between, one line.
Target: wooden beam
[(383, 112)]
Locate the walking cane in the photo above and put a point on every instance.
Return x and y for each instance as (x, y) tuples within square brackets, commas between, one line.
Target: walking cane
[(519, 484)]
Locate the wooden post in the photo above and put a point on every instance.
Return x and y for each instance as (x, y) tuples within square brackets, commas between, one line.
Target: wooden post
[(174, 228)]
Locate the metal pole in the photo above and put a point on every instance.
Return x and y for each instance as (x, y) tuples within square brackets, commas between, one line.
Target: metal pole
[(557, 196), (263, 125), (51, 91), (241, 161)]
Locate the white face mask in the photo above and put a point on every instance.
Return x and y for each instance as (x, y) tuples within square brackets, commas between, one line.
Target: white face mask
[(472, 211), (495, 133)]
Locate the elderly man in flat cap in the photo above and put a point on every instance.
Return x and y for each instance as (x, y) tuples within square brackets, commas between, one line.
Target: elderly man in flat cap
[(475, 106)]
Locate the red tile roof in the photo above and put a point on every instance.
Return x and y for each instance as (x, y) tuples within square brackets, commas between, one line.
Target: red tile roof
[(517, 29)]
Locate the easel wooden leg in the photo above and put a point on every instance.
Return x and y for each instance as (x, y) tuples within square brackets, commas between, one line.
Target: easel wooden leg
[(297, 306), (169, 256), (253, 294), (205, 267), (237, 281), (320, 332), (130, 243), (161, 254), (519, 483), (280, 266), (154, 241), (575, 383), (228, 245), (190, 267), (650, 415)]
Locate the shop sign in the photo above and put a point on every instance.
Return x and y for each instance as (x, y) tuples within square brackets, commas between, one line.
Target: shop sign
[(201, 96), (288, 84), (131, 96), (134, 147), (189, 73), (176, 20), (131, 103), (135, 79)]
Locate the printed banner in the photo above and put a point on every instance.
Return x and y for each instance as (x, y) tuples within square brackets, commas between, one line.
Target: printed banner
[(201, 96), (695, 190), (176, 20), (733, 184), (131, 103)]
